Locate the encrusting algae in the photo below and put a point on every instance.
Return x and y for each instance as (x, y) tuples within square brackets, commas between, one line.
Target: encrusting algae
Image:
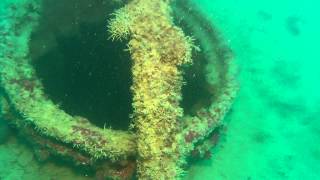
[(157, 48), (161, 135)]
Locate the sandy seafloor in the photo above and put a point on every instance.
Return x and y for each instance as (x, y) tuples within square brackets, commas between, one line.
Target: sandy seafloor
[(273, 128)]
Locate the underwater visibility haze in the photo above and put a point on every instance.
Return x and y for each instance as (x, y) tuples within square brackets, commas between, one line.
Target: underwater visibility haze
[(159, 89)]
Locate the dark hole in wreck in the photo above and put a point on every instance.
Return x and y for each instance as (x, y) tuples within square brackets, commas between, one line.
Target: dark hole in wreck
[(88, 74)]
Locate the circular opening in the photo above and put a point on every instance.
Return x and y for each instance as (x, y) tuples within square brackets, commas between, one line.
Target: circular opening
[(83, 71), (89, 75)]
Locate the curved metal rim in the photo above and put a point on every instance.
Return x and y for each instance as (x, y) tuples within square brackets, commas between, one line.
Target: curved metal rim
[(24, 92)]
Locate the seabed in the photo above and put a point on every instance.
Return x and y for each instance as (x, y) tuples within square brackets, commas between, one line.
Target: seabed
[(85, 89)]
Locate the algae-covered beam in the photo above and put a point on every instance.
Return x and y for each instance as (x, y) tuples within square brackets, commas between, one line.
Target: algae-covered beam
[(157, 49)]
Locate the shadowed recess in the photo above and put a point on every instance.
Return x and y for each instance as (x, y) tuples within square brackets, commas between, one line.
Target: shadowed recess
[(89, 75), (83, 71)]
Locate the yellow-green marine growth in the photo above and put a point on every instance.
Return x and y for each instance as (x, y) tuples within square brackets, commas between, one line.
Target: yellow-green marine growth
[(157, 48), (161, 135)]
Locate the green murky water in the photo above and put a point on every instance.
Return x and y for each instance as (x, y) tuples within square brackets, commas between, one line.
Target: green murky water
[(273, 128)]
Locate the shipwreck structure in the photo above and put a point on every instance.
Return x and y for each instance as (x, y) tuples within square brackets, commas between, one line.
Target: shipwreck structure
[(172, 73)]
